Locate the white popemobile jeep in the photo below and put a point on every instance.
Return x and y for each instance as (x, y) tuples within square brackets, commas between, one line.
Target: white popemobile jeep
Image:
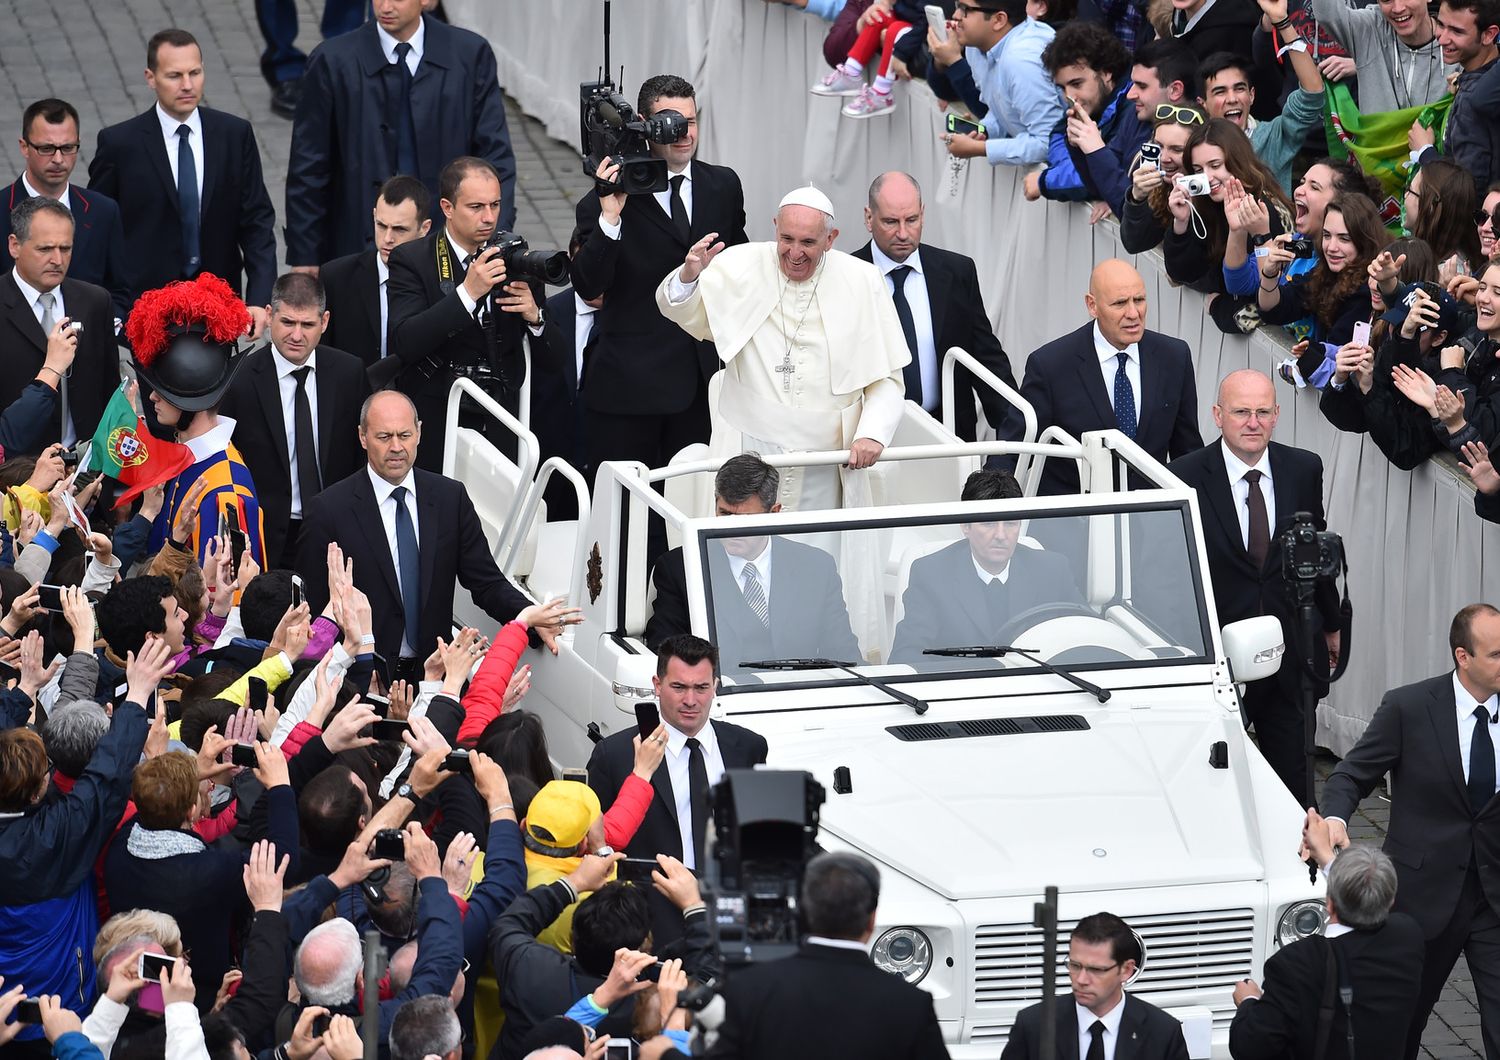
[(1153, 805)]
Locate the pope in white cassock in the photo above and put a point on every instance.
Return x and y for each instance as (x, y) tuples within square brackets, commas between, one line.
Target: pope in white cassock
[(811, 343)]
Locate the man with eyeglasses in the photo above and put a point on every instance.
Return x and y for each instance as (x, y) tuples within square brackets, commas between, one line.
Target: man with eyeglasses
[(698, 752), (1103, 955), (49, 144), (1249, 489)]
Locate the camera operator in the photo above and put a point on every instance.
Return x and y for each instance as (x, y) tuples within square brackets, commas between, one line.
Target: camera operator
[(453, 309), (646, 381), (829, 999), (1250, 488)]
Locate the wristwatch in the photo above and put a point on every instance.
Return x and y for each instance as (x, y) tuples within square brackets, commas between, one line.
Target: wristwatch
[(405, 792)]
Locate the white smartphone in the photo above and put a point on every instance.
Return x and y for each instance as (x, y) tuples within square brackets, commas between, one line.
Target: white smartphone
[(936, 22), (1362, 332)]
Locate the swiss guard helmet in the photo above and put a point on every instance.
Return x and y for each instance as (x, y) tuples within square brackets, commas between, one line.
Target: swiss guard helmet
[(182, 340)]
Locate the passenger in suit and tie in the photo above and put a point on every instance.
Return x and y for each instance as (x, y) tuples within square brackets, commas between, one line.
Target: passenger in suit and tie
[(1099, 1020), (648, 381), (940, 305), (569, 337), (453, 310), (357, 285), (965, 594), (35, 297), (411, 534), (698, 753), (1377, 953), (1114, 373), (295, 403), (49, 143), (770, 598), (1436, 739), (404, 93), (1249, 490), (188, 181)]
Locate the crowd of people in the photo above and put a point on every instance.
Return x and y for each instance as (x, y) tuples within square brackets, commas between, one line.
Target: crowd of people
[(242, 748)]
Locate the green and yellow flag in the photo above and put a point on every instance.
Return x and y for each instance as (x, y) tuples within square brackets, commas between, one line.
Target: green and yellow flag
[(1378, 141)]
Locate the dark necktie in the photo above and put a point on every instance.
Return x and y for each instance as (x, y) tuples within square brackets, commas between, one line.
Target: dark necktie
[(408, 562), (1481, 762), (406, 127), (679, 212), (305, 441), (998, 602), (755, 596), (1259, 542), (912, 373), (1096, 1043), (1124, 399), (698, 796), (187, 203)]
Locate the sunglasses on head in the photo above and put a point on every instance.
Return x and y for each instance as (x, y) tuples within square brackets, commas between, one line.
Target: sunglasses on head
[(1181, 115)]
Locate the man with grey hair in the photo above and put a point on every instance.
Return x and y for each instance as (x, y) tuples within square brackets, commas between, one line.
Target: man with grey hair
[(72, 732), (38, 304), (772, 597), (426, 1027), (1367, 950), (295, 403)]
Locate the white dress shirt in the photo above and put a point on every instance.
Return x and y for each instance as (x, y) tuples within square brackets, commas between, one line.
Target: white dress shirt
[(1111, 1020), (677, 770), (387, 506), (65, 198), (762, 571), (287, 387), (384, 272), (583, 330), (915, 289), (417, 42), (1241, 489), (663, 199), (1464, 704), (985, 576), (169, 126), (33, 298), (1109, 363)]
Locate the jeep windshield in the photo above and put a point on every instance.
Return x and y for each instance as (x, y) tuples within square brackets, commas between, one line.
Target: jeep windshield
[(1093, 587)]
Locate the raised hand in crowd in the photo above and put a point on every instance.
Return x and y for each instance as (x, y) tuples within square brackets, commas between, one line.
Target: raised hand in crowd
[(492, 783), (248, 571), (1423, 314), (1083, 131), (303, 1044), (1355, 360), (240, 728), (458, 863), (945, 50), (1244, 212), (35, 671), (158, 738), (1180, 206), (218, 576), (516, 688), (186, 519), (270, 768), (62, 347), (402, 696), (592, 872), (423, 738), (671, 982), (265, 880), (1476, 464), (649, 752), (8, 1002), (1448, 407), (292, 632), (177, 983), (49, 469), (125, 977), (1385, 270), (421, 853), (624, 977), (1337, 68), (152, 502), (676, 882), (31, 525), (79, 614), (226, 988), (213, 755), (550, 619), (459, 658), (342, 1040), (343, 733), (699, 256), (356, 864), (144, 671), (22, 610), (57, 1020), (1416, 386)]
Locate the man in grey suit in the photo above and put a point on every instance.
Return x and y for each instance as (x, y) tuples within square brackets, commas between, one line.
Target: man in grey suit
[(1437, 740)]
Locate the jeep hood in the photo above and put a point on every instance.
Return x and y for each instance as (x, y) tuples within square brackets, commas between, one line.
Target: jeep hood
[(1130, 802)]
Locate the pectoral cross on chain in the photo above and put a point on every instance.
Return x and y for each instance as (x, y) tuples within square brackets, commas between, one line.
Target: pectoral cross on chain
[(786, 368)]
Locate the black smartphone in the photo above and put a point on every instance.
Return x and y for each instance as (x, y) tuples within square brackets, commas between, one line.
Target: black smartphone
[(49, 597), (379, 704), (243, 754), (1432, 290), (390, 843), (408, 669), (150, 965), (70, 457), (320, 1025), (649, 974), (636, 870), (385, 729), (255, 699), (961, 126), (647, 717), (458, 762), (237, 540), (29, 1010)]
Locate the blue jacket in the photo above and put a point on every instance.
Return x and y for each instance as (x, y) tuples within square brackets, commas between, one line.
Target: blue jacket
[(1109, 169), (98, 240), (1067, 178)]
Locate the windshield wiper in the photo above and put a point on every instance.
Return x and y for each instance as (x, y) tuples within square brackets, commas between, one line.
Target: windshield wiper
[(999, 650), (848, 668)]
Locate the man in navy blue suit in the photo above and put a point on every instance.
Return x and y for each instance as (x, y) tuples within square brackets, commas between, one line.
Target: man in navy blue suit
[(405, 93), (49, 143)]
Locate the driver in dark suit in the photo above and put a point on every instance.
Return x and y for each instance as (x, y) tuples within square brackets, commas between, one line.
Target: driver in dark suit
[(770, 597), (967, 593)]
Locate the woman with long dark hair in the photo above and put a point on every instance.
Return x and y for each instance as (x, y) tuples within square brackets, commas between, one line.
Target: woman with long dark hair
[(1440, 207)]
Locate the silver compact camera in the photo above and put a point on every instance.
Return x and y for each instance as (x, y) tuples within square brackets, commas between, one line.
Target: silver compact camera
[(1193, 183)]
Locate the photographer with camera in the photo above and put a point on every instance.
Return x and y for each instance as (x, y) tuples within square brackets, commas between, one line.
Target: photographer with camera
[(1251, 489), (461, 303), (646, 381)]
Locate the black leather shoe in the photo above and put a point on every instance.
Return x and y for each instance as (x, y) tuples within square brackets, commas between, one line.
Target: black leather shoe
[(284, 97)]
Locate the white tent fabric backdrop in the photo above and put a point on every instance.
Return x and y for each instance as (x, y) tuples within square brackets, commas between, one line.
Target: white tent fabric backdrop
[(1417, 552)]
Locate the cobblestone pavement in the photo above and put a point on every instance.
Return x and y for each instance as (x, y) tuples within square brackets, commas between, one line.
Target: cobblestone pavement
[(92, 54)]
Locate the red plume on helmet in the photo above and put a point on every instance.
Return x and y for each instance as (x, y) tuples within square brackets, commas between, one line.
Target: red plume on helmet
[(182, 339)]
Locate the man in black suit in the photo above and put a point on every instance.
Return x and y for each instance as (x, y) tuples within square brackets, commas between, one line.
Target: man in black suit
[(453, 311), (829, 999), (188, 181), (35, 298), (1249, 490), (1436, 739), (771, 597), (647, 392), (940, 309), (1098, 1020), (49, 144), (404, 93), (1377, 953), (965, 594), (408, 547), (569, 337), (1114, 373), (295, 403), (698, 752), (357, 285)]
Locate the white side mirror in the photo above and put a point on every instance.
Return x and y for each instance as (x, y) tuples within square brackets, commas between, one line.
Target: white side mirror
[(633, 674), (1254, 647)]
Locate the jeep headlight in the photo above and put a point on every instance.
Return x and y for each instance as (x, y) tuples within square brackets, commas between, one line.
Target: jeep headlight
[(903, 951), (1301, 920)]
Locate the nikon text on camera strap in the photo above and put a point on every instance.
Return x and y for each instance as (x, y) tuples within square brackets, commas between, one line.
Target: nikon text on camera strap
[(444, 264)]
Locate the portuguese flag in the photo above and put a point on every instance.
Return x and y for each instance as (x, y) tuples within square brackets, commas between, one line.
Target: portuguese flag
[(126, 451)]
